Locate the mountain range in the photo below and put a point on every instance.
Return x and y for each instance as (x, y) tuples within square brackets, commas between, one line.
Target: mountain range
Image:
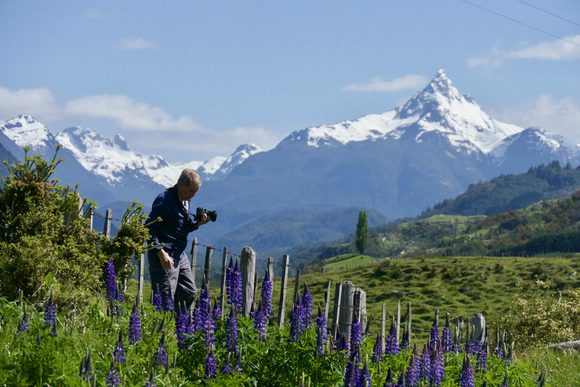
[(396, 164)]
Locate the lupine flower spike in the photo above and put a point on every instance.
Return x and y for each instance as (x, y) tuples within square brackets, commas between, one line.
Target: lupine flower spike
[(112, 377), (119, 352), (135, 324), (151, 380), (446, 336), (160, 356), (377, 350), (321, 332), (86, 369), (49, 313), (266, 296), (307, 308), (355, 336), (210, 365), (437, 370), (24, 326), (391, 346), (434, 342), (157, 299), (467, 379)]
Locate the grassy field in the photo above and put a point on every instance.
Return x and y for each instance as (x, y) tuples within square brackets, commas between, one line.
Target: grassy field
[(460, 286)]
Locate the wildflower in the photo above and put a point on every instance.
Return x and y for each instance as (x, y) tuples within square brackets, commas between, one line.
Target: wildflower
[(157, 299), (110, 280), (321, 332), (210, 365), (232, 332), (446, 337), (425, 369), (24, 326), (481, 364), (401, 381), (437, 371), (160, 357), (364, 377), (355, 336), (151, 381), (112, 377), (351, 372), (260, 323), (389, 382), (227, 367), (229, 281), (266, 296), (341, 343), (391, 345), (53, 330), (181, 317), (237, 288), (467, 379), (413, 371), (434, 334), (377, 350), (119, 351), (404, 341), (49, 313), (208, 329), (216, 312), (204, 303), (296, 322), (307, 308), (134, 325), (86, 369)]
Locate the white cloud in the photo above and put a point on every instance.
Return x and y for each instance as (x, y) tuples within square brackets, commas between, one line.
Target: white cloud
[(560, 49), (128, 113), (39, 102), (407, 82), (560, 116), (135, 43)]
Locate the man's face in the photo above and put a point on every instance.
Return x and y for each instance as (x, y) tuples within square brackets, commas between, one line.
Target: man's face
[(187, 192)]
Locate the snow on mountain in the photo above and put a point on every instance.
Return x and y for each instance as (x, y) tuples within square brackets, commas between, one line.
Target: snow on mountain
[(538, 141), (24, 130), (218, 167), (438, 108)]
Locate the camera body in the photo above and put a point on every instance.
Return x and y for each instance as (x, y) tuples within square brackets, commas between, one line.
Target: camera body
[(212, 215)]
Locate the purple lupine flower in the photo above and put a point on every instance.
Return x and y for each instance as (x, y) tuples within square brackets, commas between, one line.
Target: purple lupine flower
[(377, 350), (401, 380), (227, 367), (191, 328), (151, 381), (307, 308), (210, 365), (260, 323), (467, 378), (49, 313), (232, 333), (229, 281), (413, 371), (157, 299), (389, 382), (204, 303), (120, 293), (110, 280), (112, 378), (216, 311), (53, 330), (351, 372), (425, 371), (355, 336), (500, 350), (364, 377), (119, 351), (167, 298), (437, 370), (296, 322), (446, 337), (181, 320), (481, 364), (321, 332), (160, 357), (24, 326), (456, 346), (341, 343), (434, 342), (237, 288), (86, 369), (266, 296), (391, 345), (134, 325), (197, 317), (404, 341), (208, 331)]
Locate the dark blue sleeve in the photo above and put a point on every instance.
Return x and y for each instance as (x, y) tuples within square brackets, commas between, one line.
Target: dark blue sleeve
[(158, 210)]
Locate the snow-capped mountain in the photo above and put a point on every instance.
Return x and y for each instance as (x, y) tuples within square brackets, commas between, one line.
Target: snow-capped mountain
[(219, 167), (438, 111)]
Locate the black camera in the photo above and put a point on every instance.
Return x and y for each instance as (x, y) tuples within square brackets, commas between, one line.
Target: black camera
[(212, 215)]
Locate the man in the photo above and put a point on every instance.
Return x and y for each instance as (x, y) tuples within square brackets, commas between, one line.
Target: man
[(169, 265)]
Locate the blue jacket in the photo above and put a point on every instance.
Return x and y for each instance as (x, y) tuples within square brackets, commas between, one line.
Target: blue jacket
[(170, 234)]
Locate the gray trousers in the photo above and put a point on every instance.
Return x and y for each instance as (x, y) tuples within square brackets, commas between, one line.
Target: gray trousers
[(176, 284)]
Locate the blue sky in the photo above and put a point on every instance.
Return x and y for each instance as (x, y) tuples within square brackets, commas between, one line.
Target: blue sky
[(193, 79)]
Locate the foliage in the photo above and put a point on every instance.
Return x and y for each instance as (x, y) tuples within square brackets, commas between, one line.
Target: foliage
[(362, 230), (46, 246), (535, 319)]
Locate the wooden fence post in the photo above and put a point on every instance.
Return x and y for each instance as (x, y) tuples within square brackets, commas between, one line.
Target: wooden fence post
[(271, 269), (141, 277), (193, 258), (327, 300), (383, 323), (297, 285), (409, 318), (108, 219), (248, 267), (346, 309), (223, 284), (360, 303), (398, 330), (282, 305), (207, 267), (336, 310)]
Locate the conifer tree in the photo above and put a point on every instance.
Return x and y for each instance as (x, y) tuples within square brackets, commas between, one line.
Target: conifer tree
[(362, 229)]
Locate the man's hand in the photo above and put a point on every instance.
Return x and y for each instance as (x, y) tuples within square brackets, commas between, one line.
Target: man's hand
[(203, 220), (165, 259)]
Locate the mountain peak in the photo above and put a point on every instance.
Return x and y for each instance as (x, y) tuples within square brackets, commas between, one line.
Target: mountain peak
[(24, 130)]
